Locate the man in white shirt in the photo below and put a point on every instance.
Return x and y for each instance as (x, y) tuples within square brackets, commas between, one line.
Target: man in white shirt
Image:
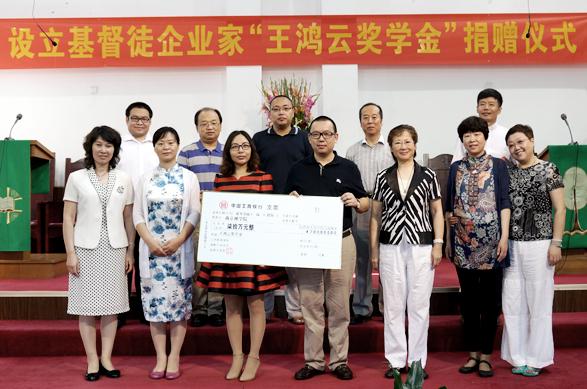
[(371, 155), (489, 102), (137, 156)]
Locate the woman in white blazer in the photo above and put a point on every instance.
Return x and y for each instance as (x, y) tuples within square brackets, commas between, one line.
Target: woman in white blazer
[(98, 231), (167, 208)]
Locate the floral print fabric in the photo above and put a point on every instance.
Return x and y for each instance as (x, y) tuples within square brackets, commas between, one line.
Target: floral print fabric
[(165, 295), (531, 205), (477, 230)]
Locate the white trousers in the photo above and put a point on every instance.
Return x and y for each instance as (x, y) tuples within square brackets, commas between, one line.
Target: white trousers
[(407, 277), (528, 293)]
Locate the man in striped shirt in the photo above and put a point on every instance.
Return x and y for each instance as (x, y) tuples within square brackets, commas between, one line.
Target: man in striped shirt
[(204, 158), (371, 155)]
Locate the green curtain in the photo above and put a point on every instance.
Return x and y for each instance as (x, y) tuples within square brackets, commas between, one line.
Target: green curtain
[(15, 196), (571, 160)]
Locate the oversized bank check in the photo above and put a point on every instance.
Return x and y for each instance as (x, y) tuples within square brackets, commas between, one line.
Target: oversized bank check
[(276, 230)]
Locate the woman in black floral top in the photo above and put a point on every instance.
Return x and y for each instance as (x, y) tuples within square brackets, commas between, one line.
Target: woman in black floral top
[(536, 189)]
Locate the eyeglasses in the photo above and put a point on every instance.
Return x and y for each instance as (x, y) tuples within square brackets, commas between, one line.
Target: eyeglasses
[(326, 135), (237, 147), (213, 123), (279, 109), (136, 119), (404, 143)]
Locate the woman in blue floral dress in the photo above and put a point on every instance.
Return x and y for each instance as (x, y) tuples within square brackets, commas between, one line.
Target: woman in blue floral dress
[(478, 212), (167, 211)]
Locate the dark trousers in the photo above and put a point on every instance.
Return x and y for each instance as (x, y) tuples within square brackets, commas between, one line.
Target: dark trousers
[(136, 309), (480, 307)]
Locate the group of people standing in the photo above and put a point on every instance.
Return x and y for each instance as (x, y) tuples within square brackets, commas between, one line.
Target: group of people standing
[(496, 217)]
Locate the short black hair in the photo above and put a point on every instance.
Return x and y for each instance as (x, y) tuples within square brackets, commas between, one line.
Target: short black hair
[(473, 124), (139, 104), (489, 92), (374, 105), (160, 133), (322, 118), (523, 128), (109, 135), (204, 110), (278, 96)]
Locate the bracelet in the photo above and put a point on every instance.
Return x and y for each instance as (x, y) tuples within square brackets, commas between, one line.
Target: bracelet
[(556, 243), (439, 241)]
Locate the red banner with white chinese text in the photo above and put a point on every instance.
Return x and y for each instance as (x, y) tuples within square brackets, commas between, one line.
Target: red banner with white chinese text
[(498, 39)]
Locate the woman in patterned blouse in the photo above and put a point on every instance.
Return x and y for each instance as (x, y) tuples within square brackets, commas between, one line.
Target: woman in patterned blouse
[(242, 284), (536, 188), (478, 211), (406, 244)]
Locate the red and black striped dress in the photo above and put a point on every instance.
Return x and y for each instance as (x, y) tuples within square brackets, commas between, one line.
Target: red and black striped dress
[(242, 280)]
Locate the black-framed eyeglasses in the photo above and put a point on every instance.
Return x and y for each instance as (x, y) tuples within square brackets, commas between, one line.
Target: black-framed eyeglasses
[(136, 119), (236, 147), (326, 135)]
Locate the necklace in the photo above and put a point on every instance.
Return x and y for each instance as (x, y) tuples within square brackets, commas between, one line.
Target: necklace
[(533, 162), (404, 186), (102, 175)]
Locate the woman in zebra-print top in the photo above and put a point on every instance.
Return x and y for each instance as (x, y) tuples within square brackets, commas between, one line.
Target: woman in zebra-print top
[(406, 232)]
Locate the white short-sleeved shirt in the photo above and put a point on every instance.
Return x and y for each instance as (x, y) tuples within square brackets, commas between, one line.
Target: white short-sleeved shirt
[(136, 157)]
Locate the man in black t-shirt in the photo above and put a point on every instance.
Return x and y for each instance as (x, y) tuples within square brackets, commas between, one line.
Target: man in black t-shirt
[(324, 173)]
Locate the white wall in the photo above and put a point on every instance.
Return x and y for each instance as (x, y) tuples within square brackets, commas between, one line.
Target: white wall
[(60, 106)]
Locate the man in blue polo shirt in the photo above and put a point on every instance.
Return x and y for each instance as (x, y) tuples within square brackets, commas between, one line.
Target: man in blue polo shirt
[(324, 173), (280, 146), (204, 158)]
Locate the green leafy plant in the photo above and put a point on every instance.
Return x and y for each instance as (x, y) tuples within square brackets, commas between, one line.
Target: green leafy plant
[(415, 379)]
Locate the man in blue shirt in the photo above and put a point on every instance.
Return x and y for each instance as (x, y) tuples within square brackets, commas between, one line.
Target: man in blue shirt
[(204, 158)]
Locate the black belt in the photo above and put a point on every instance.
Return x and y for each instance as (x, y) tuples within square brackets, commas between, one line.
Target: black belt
[(346, 232)]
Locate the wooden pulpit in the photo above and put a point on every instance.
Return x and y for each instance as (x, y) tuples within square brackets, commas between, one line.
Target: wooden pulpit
[(26, 174)]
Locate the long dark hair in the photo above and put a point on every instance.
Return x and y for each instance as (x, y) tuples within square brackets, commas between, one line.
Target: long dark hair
[(228, 167), (109, 135)]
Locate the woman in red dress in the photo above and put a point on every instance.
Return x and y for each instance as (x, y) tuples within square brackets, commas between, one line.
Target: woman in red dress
[(239, 173)]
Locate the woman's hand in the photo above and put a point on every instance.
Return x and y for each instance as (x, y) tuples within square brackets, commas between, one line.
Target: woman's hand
[(375, 263), (155, 248), (554, 255), (170, 247), (129, 261), (72, 264), (452, 220), (436, 254), (502, 249)]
